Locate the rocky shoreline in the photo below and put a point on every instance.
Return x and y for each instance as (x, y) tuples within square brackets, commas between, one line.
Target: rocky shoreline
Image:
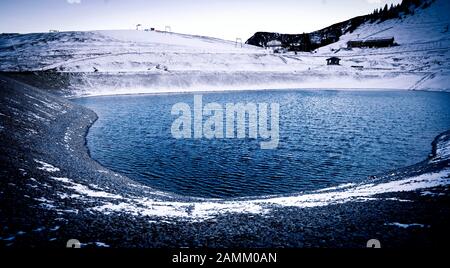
[(52, 191)]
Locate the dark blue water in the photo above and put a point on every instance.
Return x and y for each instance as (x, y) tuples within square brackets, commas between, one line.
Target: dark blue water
[(326, 138)]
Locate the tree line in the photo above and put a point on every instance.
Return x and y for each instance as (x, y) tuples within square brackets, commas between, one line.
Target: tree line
[(397, 11)]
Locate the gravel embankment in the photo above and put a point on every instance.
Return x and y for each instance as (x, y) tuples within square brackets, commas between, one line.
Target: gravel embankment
[(52, 191)]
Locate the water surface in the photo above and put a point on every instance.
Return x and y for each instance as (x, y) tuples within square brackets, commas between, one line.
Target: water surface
[(326, 138)]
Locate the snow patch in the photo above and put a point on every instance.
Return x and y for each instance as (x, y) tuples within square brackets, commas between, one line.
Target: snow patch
[(84, 190), (406, 226), (36, 117), (443, 147), (46, 167), (210, 208)]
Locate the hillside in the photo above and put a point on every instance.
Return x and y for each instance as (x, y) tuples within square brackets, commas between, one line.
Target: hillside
[(127, 61), (120, 50), (307, 42)]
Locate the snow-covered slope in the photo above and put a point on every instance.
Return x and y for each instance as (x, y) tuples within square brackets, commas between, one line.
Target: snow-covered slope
[(160, 61), (129, 51), (424, 45)]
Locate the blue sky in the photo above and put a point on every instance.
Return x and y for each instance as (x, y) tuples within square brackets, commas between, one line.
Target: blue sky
[(226, 19)]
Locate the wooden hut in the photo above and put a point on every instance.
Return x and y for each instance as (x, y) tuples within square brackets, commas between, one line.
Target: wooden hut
[(333, 61)]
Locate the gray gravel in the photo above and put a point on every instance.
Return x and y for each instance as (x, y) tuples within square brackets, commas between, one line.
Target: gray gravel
[(38, 126)]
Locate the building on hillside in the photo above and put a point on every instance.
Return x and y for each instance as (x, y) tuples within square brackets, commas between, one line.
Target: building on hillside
[(372, 43), (275, 45), (333, 61)]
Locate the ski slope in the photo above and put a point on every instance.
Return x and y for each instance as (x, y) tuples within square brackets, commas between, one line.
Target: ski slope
[(166, 62)]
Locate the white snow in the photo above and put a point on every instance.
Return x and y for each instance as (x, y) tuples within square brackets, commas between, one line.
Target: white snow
[(64, 180), (46, 167), (406, 226), (43, 200), (443, 148), (54, 229), (67, 196), (342, 186), (34, 116), (11, 238), (97, 244), (171, 62), (68, 138), (84, 190), (432, 194), (101, 245), (366, 190), (209, 208)]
